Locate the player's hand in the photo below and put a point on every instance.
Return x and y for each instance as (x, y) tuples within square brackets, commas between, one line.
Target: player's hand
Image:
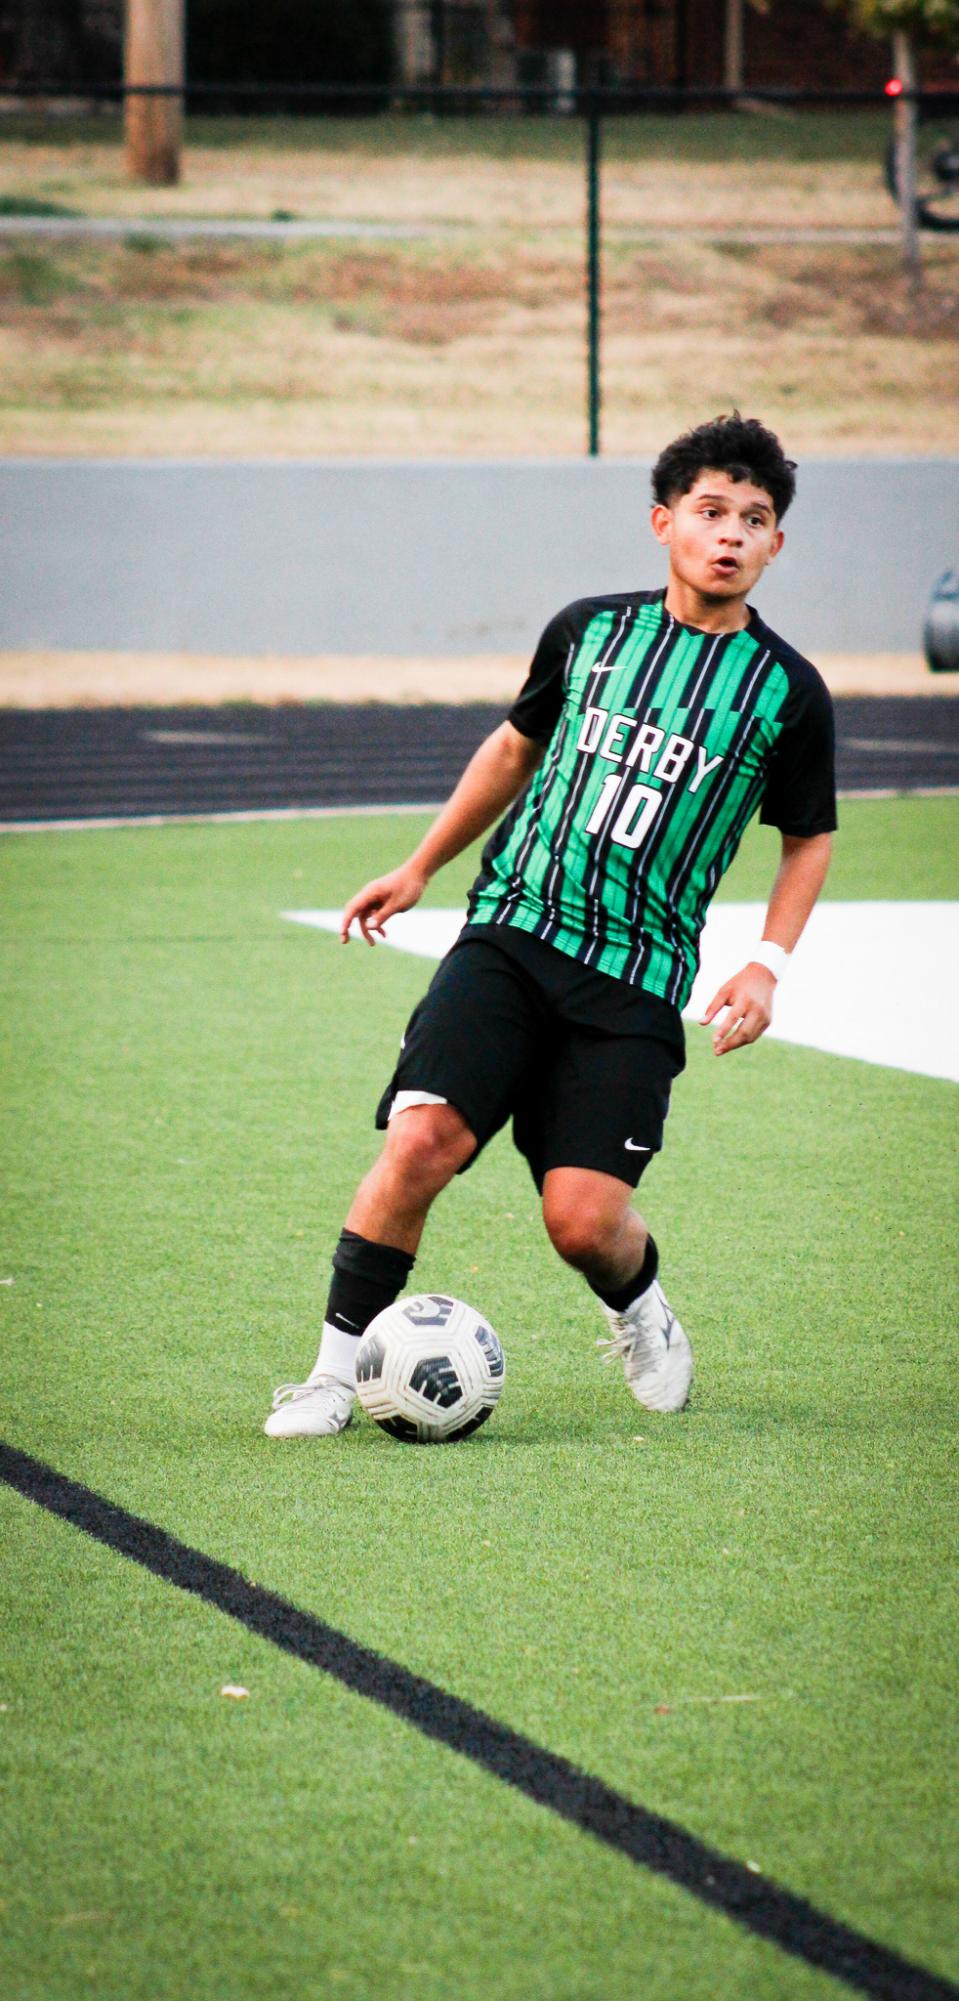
[(372, 905), (748, 1002)]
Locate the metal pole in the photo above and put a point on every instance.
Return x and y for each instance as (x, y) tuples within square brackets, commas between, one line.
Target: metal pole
[(905, 120), (592, 274)]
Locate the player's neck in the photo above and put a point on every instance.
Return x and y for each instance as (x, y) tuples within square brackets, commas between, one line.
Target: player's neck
[(708, 614)]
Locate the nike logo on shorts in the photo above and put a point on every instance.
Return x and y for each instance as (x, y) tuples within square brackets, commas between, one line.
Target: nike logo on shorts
[(631, 1147)]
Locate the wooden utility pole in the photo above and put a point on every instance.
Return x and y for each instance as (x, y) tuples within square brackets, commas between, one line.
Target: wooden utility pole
[(905, 116), (153, 54)]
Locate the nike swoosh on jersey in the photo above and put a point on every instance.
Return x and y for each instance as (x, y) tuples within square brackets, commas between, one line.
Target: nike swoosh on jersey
[(631, 1147)]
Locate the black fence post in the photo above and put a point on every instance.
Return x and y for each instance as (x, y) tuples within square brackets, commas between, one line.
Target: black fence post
[(592, 274)]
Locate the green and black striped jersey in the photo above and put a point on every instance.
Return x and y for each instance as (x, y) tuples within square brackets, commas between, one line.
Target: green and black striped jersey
[(661, 741)]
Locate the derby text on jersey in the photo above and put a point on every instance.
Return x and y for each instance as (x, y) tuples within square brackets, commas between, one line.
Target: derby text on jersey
[(661, 742)]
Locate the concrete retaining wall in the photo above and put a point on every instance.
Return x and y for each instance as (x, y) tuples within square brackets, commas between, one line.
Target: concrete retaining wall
[(425, 557)]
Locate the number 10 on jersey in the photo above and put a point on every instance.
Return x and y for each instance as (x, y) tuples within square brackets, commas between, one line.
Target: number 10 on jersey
[(635, 816)]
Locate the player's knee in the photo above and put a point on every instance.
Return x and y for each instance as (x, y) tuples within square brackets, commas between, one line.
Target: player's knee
[(427, 1144), (582, 1228)]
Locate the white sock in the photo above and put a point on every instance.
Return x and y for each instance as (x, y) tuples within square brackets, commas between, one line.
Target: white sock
[(337, 1356)]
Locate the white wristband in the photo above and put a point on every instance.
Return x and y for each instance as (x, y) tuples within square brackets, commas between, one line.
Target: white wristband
[(774, 957)]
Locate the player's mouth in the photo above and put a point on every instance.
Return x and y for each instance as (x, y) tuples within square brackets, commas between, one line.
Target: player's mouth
[(725, 566)]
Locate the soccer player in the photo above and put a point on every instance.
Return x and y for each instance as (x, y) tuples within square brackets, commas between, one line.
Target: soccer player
[(651, 726)]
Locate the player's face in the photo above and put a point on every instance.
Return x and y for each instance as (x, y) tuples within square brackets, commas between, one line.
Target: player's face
[(720, 536)]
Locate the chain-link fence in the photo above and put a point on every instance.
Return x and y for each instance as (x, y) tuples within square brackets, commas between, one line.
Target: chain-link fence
[(497, 273)]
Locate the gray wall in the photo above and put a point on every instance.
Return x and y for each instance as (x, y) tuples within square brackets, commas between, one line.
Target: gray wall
[(427, 557)]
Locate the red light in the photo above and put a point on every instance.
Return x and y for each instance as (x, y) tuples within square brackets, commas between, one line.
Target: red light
[(894, 87)]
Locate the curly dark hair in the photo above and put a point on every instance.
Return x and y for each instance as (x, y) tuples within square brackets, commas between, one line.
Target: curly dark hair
[(739, 446)]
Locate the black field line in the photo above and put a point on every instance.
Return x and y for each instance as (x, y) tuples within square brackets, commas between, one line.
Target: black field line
[(753, 1901)]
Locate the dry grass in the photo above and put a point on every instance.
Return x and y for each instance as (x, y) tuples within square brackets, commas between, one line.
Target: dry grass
[(471, 340), (485, 173)]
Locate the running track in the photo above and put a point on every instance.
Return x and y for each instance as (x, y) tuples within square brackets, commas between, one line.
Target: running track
[(85, 764)]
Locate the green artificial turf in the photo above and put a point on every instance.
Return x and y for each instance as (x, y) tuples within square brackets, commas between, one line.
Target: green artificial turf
[(188, 1088)]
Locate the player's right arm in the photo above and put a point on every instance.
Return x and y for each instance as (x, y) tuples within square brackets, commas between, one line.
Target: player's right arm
[(493, 778)]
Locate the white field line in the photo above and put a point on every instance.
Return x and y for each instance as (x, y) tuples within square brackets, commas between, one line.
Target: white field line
[(901, 792), (212, 819), (870, 980), (352, 812)]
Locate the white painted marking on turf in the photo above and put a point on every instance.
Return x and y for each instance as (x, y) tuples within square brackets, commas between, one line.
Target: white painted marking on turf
[(871, 980), (427, 933)]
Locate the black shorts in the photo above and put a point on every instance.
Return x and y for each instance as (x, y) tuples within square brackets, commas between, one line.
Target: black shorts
[(581, 1062)]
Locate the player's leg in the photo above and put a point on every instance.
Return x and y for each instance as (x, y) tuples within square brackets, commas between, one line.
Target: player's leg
[(588, 1134), (464, 1048), (592, 1224), (426, 1144)]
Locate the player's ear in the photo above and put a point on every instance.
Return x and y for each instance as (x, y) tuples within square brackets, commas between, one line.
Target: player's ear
[(661, 522), (774, 547)]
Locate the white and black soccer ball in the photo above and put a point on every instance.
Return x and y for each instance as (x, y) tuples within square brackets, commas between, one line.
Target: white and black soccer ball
[(429, 1369)]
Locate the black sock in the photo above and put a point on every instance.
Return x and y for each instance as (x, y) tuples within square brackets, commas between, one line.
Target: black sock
[(366, 1278), (624, 1295)]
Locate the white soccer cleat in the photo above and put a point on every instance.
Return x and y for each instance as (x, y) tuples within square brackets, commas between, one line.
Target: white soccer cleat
[(314, 1409), (656, 1356)]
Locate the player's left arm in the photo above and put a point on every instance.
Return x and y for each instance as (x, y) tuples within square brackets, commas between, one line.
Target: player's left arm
[(748, 996)]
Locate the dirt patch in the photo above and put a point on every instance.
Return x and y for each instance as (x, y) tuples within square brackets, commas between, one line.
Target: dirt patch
[(85, 680)]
